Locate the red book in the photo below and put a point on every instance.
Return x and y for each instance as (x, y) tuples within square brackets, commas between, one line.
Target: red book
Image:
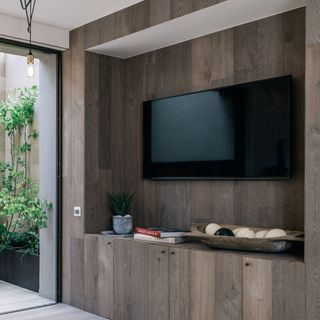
[(160, 232)]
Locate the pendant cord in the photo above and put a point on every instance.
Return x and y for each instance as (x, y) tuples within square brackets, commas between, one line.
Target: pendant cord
[(28, 6)]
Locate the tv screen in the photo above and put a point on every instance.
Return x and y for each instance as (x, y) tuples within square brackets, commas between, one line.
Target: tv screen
[(236, 132)]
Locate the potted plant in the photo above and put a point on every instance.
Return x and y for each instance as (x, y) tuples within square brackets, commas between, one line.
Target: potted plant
[(119, 204)]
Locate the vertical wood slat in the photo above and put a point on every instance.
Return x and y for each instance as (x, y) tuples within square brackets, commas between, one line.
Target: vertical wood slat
[(257, 289), (105, 277), (91, 273), (288, 290), (179, 281), (229, 283), (121, 279), (312, 162), (202, 285), (73, 172), (158, 284), (98, 275)]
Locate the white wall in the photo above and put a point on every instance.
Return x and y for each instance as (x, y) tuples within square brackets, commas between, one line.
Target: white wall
[(15, 28)]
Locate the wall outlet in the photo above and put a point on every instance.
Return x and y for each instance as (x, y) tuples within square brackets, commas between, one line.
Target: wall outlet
[(77, 211)]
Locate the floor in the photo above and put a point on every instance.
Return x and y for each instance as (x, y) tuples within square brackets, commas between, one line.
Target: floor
[(58, 311), (13, 298)]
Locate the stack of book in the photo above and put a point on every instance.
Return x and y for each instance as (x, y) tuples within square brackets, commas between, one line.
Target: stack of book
[(160, 234)]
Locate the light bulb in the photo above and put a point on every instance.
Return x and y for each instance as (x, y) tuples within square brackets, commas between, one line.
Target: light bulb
[(30, 62), (30, 70)]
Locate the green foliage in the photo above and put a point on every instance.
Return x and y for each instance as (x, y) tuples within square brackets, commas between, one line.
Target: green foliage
[(22, 213), (120, 203)]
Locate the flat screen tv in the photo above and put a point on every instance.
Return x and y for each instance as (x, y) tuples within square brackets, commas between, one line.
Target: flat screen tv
[(237, 132)]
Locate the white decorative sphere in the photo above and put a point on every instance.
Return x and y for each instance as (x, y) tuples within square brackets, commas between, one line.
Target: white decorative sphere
[(276, 233), (212, 228), (236, 230), (261, 234), (245, 233)]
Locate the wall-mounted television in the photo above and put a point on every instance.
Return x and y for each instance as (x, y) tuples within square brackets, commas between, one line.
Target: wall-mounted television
[(236, 132)]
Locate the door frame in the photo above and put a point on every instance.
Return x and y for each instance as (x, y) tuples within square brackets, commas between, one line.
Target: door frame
[(58, 54)]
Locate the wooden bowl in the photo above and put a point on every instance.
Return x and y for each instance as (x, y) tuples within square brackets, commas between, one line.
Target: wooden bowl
[(246, 244)]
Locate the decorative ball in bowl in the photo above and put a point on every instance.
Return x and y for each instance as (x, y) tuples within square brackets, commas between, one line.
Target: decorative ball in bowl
[(233, 237)]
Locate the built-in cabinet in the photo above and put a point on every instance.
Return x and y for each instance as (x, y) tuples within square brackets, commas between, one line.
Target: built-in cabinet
[(131, 280)]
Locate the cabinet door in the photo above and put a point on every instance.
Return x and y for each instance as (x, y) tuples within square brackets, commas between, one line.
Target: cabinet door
[(105, 277), (273, 289), (141, 289), (192, 284), (228, 300), (158, 285), (98, 275)]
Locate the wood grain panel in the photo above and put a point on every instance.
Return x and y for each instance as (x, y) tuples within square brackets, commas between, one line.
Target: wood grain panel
[(228, 299), (313, 22), (77, 273), (312, 158), (139, 281), (257, 289), (288, 290), (105, 277), (98, 102), (158, 280), (202, 285), (91, 273), (179, 281), (122, 277), (73, 170)]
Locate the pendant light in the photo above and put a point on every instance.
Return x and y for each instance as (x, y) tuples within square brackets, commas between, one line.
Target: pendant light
[(28, 6)]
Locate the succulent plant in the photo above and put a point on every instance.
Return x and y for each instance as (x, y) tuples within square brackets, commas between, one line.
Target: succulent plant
[(120, 203)]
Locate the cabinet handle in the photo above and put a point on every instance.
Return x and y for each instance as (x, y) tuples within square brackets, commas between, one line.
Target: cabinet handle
[(163, 251), (247, 264), (172, 252), (109, 243)]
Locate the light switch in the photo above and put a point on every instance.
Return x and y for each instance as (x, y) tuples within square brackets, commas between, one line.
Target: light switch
[(77, 211)]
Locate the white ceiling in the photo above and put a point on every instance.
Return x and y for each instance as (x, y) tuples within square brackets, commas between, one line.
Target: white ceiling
[(66, 14), (219, 17)]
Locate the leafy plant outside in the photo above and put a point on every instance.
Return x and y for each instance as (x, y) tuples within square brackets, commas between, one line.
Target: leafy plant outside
[(22, 213), (120, 203)]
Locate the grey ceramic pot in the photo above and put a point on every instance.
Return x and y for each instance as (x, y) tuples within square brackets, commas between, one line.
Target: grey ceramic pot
[(122, 225)]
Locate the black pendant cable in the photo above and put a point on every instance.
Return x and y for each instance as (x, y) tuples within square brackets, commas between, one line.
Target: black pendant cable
[(28, 6)]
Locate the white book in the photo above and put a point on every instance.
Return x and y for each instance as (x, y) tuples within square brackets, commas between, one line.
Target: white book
[(139, 236)]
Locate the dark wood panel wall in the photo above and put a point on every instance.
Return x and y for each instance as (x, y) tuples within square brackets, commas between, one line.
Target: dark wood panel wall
[(102, 129), (312, 161), (262, 49)]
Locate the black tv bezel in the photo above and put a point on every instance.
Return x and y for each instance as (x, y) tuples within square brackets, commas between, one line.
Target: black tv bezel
[(153, 170)]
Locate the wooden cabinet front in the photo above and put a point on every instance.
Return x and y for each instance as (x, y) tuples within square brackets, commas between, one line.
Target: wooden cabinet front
[(132, 280)]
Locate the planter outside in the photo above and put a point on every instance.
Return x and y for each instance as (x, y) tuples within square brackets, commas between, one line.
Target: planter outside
[(122, 225), (19, 269)]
